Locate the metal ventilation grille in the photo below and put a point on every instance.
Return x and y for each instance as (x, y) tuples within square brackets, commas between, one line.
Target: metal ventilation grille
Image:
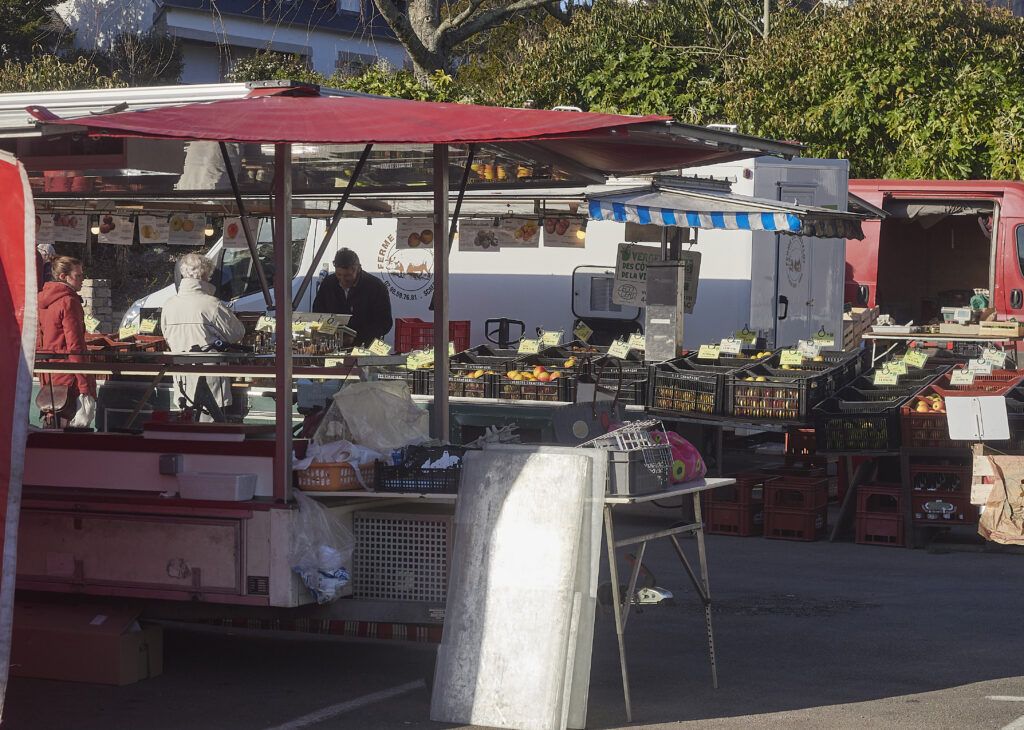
[(257, 585), (401, 557)]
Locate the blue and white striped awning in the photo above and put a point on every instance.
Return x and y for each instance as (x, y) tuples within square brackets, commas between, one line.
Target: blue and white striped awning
[(723, 211)]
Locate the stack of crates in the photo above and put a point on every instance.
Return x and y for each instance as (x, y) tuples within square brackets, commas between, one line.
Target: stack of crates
[(796, 504), (879, 515), (801, 454), (941, 494), (737, 509)]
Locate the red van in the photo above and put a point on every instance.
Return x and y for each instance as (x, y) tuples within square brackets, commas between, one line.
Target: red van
[(940, 240)]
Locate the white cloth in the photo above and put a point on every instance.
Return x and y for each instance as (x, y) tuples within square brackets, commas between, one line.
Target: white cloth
[(85, 413), (194, 316)]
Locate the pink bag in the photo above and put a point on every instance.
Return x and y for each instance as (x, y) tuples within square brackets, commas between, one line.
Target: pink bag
[(687, 463)]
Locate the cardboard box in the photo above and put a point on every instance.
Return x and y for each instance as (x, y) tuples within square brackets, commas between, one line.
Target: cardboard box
[(100, 643)]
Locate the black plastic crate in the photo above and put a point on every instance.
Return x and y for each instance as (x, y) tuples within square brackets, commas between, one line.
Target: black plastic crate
[(679, 386), (461, 383), (410, 476), (838, 368), (758, 394), (405, 375), (561, 389), (842, 423)]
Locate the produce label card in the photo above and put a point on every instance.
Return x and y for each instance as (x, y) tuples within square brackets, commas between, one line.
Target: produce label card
[(380, 347), (883, 377), (709, 352), (583, 332), (70, 228), (962, 377), (564, 233), (994, 356), (915, 358), (791, 357), (153, 229), (186, 230), (125, 332), (415, 233), (747, 336), (637, 341), (808, 348), (550, 338), (44, 228), (234, 234), (327, 327), (148, 326), (730, 346), (91, 323), (116, 229), (479, 235), (529, 346), (896, 366), (619, 348), (824, 339), (980, 366)]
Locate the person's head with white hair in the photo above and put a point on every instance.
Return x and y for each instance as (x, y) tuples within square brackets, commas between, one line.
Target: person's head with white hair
[(195, 266)]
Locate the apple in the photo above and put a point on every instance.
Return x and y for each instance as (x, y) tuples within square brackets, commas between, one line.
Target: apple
[(543, 377), (538, 370), (232, 230)]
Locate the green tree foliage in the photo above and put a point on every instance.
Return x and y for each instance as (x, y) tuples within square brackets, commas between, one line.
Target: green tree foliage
[(24, 25), (914, 89), (271, 66), (667, 58)]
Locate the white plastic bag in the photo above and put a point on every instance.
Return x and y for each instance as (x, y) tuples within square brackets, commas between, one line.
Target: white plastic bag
[(382, 415), (321, 549), (85, 413)]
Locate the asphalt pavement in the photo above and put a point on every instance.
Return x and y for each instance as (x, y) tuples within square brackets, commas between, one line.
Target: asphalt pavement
[(808, 635)]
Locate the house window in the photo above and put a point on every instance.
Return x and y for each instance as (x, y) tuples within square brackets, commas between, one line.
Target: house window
[(346, 6), (353, 63)]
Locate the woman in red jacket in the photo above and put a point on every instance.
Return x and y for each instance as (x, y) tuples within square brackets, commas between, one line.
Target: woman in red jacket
[(62, 330)]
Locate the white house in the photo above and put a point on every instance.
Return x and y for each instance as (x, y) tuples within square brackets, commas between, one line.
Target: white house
[(331, 34)]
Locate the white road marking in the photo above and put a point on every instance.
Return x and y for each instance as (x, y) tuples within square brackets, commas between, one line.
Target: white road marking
[(1017, 724), (1005, 698), (343, 707)]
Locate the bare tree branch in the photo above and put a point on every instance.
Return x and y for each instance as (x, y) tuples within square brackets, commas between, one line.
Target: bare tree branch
[(491, 18)]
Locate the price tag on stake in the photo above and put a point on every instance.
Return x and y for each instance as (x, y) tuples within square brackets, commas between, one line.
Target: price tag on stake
[(637, 341), (529, 347), (824, 339), (619, 348), (730, 346), (148, 326), (549, 338), (791, 357), (886, 378), (380, 347), (961, 377), (125, 332), (915, 358), (709, 352), (583, 332), (747, 336), (809, 349), (895, 366), (994, 356), (980, 366), (91, 323)]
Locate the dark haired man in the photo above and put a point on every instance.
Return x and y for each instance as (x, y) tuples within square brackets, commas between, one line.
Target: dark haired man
[(353, 291)]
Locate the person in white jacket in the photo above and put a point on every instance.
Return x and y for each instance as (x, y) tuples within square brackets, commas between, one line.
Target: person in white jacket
[(193, 317)]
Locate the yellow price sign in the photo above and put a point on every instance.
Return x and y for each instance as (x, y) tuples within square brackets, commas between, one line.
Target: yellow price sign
[(637, 341), (915, 358), (791, 357), (125, 332), (583, 332), (709, 352), (299, 326), (148, 326), (619, 348), (886, 378), (91, 323), (327, 327), (361, 351), (549, 338), (529, 346), (896, 366), (380, 347), (747, 336)]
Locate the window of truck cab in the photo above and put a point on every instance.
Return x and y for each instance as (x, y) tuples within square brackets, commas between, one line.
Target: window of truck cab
[(237, 275)]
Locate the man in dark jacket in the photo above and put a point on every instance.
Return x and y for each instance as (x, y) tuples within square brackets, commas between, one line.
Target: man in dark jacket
[(351, 291)]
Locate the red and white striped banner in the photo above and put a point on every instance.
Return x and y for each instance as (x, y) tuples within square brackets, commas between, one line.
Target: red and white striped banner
[(18, 314)]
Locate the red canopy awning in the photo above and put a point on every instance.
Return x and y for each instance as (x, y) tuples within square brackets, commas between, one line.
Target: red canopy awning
[(610, 143)]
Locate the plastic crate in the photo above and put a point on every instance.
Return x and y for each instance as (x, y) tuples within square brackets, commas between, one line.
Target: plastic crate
[(801, 525), (741, 520), (410, 476), (681, 386), (800, 441), (412, 333), (880, 498), (562, 389), (779, 399), (837, 368), (876, 528), (943, 509), (928, 429), (406, 376), (748, 489), (1000, 382), (940, 479), (844, 424), (792, 493), (334, 477)]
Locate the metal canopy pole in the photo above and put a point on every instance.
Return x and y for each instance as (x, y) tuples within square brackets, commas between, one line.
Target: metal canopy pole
[(283, 321), (250, 242), (440, 292), (335, 220)]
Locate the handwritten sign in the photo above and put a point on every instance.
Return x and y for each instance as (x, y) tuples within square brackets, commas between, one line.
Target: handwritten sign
[(791, 357), (631, 274), (266, 323), (980, 366), (824, 339), (895, 366), (550, 338), (637, 341), (730, 346), (746, 335), (379, 347), (808, 348), (91, 323), (619, 348), (125, 332), (327, 327), (148, 326), (300, 326), (529, 346), (583, 332), (962, 377), (915, 358), (709, 352), (361, 351), (994, 356), (419, 358), (883, 377)]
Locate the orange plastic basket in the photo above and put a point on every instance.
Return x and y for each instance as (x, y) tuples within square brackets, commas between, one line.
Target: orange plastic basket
[(334, 477)]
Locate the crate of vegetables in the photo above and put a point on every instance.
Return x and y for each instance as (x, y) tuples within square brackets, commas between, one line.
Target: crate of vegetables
[(759, 394), (854, 421), (923, 421), (537, 384), (464, 381)]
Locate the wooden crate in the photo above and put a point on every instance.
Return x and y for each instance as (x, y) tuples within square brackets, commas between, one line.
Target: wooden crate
[(1000, 329), (855, 323)]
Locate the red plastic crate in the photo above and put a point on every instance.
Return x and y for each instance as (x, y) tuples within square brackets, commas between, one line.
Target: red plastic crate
[(741, 520), (412, 333), (926, 428), (879, 528), (936, 508), (792, 524), (998, 383), (884, 499), (941, 479), (748, 489), (800, 442), (790, 493)]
